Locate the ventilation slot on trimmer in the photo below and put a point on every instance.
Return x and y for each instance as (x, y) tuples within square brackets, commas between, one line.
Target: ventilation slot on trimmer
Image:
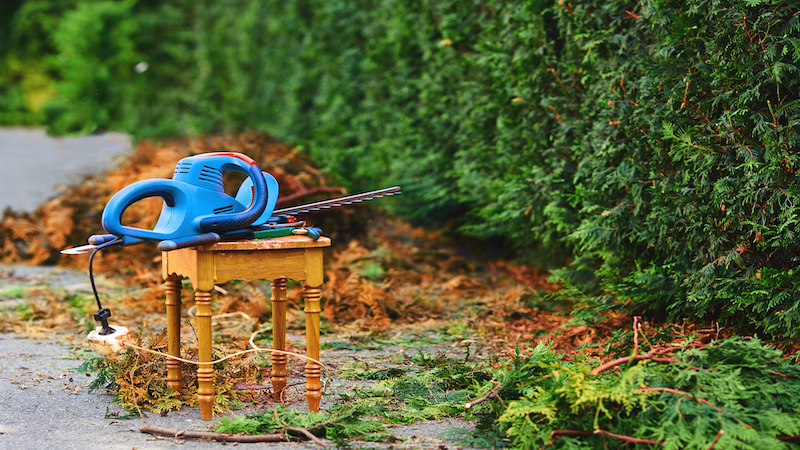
[(183, 168), (211, 175)]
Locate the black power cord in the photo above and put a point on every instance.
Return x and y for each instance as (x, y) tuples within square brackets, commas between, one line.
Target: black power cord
[(102, 314)]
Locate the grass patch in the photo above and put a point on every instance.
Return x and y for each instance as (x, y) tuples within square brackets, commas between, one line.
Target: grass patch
[(12, 292)]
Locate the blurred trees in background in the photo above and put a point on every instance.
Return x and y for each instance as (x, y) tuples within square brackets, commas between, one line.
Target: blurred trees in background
[(649, 148)]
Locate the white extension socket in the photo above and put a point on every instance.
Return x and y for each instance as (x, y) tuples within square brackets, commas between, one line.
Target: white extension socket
[(107, 344)]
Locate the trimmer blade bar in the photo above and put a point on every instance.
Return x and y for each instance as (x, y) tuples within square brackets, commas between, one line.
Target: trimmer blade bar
[(336, 202)]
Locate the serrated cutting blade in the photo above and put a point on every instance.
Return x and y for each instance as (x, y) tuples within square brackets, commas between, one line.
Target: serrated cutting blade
[(336, 202)]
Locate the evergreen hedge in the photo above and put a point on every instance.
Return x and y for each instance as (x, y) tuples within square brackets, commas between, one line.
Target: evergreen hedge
[(650, 145)]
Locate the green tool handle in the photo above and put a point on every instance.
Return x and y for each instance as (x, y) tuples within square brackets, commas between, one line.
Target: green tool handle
[(312, 232), (266, 234)]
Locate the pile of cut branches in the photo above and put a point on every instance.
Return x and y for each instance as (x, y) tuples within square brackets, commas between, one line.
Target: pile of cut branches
[(733, 393)]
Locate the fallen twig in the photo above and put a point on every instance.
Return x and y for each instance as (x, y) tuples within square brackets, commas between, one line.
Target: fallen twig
[(788, 438), (25, 386), (645, 336), (782, 375), (719, 433), (214, 436), (679, 392), (489, 395), (302, 431), (582, 433), (285, 390), (307, 434), (629, 439), (557, 433), (635, 356), (136, 402), (623, 360)]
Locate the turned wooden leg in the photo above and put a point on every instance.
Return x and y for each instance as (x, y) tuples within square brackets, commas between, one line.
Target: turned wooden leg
[(313, 370), (278, 337), (205, 372), (173, 302)]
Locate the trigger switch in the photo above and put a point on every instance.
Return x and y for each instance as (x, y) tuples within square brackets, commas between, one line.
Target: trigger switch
[(97, 239)]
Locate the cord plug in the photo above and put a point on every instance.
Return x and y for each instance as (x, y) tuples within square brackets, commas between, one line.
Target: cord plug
[(107, 344), (102, 315)]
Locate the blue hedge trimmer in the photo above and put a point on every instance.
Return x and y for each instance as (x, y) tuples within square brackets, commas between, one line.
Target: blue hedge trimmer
[(197, 211)]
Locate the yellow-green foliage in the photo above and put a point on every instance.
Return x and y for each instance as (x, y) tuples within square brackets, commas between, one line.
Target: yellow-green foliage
[(138, 379)]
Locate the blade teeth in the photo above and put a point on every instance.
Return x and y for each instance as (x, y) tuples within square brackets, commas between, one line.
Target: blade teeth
[(357, 198)]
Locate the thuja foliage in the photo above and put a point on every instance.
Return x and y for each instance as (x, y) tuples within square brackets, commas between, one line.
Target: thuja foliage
[(429, 387), (689, 200), (734, 394), (653, 144), (342, 423)]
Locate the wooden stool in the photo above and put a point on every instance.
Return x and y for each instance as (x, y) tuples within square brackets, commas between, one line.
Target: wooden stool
[(294, 257)]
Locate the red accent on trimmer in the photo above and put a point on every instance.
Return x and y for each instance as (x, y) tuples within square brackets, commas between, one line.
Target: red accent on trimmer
[(241, 156)]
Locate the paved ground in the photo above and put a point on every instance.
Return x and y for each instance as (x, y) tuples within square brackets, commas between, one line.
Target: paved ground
[(33, 164), (45, 405), (44, 401)]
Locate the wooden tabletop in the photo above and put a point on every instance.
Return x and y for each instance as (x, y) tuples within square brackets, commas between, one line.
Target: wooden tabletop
[(285, 242)]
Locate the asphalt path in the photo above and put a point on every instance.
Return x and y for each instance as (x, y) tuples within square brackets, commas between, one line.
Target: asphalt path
[(45, 404), (35, 164)]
